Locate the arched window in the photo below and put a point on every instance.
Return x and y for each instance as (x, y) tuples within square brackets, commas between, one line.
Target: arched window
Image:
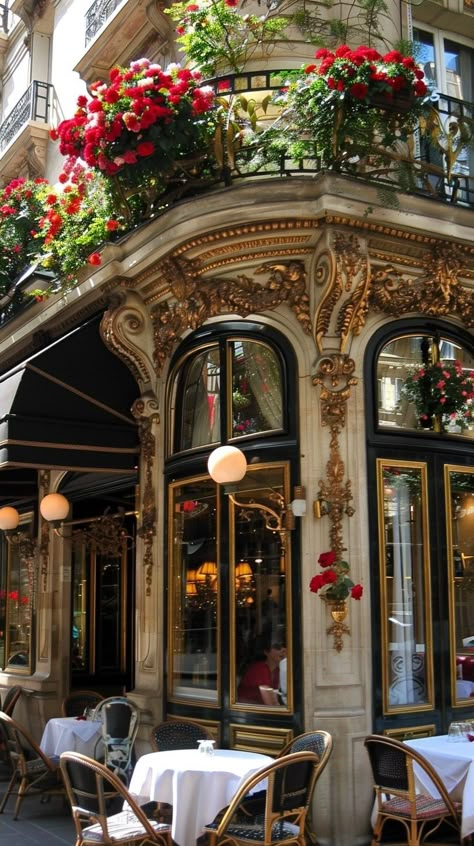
[(425, 381), (227, 389), (230, 578)]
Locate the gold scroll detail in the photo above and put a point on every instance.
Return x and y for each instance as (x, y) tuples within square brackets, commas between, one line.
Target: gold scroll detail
[(335, 494), (145, 411), (347, 285), (438, 291), (197, 299), (44, 486)]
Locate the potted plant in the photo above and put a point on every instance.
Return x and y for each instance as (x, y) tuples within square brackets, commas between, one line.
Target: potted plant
[(442, 391), (143, 128), (351, 104)]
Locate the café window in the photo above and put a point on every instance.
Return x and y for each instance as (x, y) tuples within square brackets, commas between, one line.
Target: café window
[(425, 383), (407, 668), (17, 601), (460, 533), (229, 563)]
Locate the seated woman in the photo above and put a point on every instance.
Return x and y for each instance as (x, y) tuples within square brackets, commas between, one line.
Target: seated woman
[(262, 673)]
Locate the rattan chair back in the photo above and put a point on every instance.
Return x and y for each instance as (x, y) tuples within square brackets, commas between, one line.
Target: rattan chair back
[(94, 794)]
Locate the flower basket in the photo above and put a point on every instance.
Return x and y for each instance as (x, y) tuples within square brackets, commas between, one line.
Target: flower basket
[(398, 104)]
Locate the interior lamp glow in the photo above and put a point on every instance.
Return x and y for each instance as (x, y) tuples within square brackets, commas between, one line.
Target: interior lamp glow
[(9, 519), (227, 464), (54, 508)]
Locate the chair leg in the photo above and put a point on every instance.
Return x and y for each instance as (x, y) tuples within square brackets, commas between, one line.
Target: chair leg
[(8, 791), (20, 796)]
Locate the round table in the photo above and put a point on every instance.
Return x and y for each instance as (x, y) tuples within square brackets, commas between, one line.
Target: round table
[(198, 786), (68, 734)]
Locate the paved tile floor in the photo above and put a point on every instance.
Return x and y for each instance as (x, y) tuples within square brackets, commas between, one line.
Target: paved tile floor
[(39, 824)]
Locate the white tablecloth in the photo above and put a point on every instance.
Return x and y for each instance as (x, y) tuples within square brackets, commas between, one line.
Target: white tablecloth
[(197, 786), (454, 764), (67, 734)]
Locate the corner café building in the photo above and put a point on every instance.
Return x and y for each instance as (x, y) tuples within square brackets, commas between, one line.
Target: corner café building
[(276, 316)]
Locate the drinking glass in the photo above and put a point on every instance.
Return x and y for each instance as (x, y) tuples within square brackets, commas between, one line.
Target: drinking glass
[(455, 733)]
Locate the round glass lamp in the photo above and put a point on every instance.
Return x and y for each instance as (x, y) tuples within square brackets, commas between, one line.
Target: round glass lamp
[(227, 464), (9, 519), (54, 508)]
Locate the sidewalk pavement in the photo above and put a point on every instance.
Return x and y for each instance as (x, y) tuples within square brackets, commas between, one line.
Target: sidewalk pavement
[(39, 824)]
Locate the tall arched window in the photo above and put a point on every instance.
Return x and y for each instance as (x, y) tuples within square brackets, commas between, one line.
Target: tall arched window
[(229, 561), (420, 464)]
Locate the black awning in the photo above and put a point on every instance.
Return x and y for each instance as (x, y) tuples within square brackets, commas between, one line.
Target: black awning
[(68, 407)]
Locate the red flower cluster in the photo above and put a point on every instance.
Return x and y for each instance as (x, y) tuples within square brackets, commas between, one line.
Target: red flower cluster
[(334, 582), (362, 71), (124, 121)]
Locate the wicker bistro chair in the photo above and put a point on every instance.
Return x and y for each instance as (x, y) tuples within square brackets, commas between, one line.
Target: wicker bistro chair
[(33, 771), (76, 702), (93, 791), (120, 719), (421, 815), (290, 783), (177, 734), (319, 742), (12, 696)]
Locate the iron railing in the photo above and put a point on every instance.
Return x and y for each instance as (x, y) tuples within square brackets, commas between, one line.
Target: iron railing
[(34, 105), (442, 170), (96, 16)]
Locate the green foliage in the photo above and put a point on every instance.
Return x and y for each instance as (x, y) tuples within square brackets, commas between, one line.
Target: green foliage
[(215, 35)]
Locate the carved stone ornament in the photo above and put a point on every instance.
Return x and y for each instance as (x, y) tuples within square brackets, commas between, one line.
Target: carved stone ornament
[(125, 330), (335, 495), (197, 299), (145, 411), (437, 292)]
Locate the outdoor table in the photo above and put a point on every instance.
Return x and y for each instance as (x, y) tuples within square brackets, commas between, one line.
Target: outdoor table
[(197, 785), (68, 734), (454, 764)]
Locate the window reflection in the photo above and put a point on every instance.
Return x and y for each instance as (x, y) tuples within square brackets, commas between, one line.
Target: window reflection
[(399, 359), (460, 487), (259, 586), (194, 581), (18, 603), (405, 585), (256, 389), (200, 423)]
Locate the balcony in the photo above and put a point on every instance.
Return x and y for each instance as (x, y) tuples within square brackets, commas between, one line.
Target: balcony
[(24, 133), (117, 31)]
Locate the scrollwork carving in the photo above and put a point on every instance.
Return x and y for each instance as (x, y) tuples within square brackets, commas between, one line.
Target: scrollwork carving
[(335, 376), (438, 291), (145, 411), (198, 299), (124, 329)]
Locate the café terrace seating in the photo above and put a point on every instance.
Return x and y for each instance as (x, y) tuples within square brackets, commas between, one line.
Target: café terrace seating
[(290, 782), (94, 792), (33, 772), (397, 798)]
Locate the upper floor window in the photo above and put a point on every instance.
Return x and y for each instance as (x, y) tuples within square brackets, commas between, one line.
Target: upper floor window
[(415, 391), (448, 64), (230, 388)]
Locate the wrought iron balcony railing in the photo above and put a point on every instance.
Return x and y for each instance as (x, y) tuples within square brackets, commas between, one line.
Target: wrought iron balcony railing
[(96, 16), (34, 105), (5, 18), (442, 169)]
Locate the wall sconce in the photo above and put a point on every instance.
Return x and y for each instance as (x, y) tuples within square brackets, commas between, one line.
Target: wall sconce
[(228, 465), (54, 509), (321, 507)]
